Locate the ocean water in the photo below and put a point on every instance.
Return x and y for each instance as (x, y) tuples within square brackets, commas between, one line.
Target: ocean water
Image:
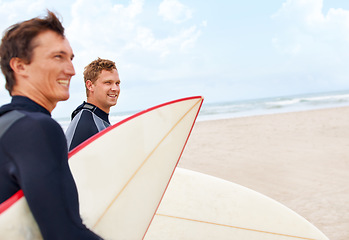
[(274, 105), (223, 110)]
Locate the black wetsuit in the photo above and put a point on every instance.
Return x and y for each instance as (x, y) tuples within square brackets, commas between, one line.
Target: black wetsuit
[(87, 120), (34, 158)]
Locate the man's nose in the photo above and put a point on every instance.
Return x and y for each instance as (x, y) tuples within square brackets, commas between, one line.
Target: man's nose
[(70, 70), (115, 87)]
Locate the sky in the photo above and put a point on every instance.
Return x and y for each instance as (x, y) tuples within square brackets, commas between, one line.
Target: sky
[(223, 50)]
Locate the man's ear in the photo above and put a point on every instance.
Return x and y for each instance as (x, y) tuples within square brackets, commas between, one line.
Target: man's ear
[(18, 66), (89, 85)]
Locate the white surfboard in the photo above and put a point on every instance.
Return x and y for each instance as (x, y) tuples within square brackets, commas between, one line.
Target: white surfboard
[(201, 207), (121, 173)]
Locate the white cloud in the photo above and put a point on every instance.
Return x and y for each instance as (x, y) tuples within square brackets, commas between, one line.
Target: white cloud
[(12, 12), (304, 30), (313, 43), (204, 23), (105, 28), (146, 48), (96, 23), (304, 11), (145, 40), (174, 11), (190, 36), (102, 28)]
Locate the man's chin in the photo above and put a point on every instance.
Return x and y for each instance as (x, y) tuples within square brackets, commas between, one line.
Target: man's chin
[(64, 98), (113, 103)]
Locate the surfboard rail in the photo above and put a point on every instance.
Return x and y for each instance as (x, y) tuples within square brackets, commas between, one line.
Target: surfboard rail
[(9, 202)]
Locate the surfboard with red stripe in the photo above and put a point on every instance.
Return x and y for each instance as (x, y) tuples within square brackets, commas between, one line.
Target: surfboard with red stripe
[(121, 173)]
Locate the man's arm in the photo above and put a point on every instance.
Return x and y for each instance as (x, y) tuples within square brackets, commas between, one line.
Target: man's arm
[(38, 149)]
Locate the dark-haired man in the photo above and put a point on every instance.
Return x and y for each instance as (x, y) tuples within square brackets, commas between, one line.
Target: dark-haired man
[(36, 60)]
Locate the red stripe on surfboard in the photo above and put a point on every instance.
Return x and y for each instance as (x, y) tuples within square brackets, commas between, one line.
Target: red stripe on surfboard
[(175, 166), (9, 202), (101, 133)]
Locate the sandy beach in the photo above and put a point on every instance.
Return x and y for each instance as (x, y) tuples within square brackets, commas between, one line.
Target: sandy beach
[(300, 159)]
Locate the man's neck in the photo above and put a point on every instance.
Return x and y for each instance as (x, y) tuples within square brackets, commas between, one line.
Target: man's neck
[(36, 97)]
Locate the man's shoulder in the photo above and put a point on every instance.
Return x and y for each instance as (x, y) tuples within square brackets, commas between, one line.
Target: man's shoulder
[(7, 119), (28, 116), (81, 128), (28, 123), (84, 106), (37, 117), (86, 116), (83, 118), (77, 110)]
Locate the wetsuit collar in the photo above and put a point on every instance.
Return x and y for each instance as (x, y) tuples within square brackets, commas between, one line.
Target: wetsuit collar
[(89, 106)]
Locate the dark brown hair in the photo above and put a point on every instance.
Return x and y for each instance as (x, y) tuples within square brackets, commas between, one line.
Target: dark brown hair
[(95, 68), (19, 41)]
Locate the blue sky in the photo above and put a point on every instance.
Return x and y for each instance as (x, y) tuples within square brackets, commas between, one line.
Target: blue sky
[(222, 50)]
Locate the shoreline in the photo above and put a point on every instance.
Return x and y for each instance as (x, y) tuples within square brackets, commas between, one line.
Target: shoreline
[(299, 159), (252, 113)]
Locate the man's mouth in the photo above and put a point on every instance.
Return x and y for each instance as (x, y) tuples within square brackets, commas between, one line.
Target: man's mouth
[(112, 95), (63, 82)]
